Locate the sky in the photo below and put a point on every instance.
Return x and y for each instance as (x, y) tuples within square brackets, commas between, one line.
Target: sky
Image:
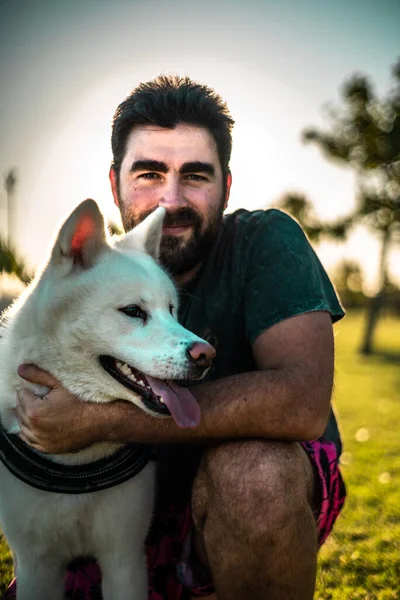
[(65, 66)]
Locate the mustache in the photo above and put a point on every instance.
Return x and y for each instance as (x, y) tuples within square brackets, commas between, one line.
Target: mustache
[(179, 218)]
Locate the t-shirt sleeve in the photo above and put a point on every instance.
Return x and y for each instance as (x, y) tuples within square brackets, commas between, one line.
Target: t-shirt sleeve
[(284, 276)]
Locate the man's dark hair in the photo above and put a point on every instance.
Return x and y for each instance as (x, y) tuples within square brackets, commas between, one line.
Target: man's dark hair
[(167, 101)]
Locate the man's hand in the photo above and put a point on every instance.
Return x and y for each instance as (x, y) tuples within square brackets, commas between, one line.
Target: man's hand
[(59, 422)]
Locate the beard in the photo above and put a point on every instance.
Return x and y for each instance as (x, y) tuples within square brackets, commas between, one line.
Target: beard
[(180, 256)]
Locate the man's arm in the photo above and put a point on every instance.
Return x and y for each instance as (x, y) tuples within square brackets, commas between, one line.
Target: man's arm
[(287, 398)]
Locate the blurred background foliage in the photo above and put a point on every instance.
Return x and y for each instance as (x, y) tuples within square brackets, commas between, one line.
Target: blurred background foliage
[(363, 132)]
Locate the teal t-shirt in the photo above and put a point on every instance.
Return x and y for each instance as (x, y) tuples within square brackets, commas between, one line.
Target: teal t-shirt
[(261, 270)]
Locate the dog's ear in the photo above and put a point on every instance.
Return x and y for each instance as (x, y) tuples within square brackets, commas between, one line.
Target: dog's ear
[(82, 237), (146, 236)]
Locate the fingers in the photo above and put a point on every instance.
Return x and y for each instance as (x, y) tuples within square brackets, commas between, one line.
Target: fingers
[(33, 374), (26, 400), (48, 424), (26, 436)]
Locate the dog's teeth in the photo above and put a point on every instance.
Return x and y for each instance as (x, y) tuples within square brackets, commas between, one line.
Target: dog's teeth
[(131, 377), (119, 364), (141, 383), (125, 369)]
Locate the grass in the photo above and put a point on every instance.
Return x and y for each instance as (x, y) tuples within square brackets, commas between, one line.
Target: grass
[(361, 559)]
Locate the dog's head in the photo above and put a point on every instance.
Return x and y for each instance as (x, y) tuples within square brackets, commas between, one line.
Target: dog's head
[(106, 317)]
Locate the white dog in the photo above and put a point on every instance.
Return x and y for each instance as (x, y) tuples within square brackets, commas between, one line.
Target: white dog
[(101, 317)]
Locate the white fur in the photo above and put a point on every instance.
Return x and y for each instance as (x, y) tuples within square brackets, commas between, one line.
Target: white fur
[(63, 321)]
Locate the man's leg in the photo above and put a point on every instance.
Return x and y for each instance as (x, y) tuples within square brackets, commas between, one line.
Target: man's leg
[(252, 506)]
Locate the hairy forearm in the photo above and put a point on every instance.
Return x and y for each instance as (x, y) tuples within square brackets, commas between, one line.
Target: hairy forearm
[(270, 404)]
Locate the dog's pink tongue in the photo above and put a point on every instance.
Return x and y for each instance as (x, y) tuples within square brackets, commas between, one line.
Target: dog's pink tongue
[(181, 403)]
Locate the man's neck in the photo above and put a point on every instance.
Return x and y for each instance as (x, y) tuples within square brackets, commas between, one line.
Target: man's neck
[(184, 278)]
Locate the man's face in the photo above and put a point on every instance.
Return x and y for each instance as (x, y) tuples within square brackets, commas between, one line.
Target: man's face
[(180, 170)]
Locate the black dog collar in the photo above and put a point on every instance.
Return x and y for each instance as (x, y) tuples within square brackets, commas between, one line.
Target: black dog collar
[(44, 474)]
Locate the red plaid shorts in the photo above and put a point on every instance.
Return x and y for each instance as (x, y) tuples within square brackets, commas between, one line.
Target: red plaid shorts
[(170, 577)]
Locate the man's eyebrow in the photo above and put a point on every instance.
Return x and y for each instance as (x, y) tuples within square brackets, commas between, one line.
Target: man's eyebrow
[(197, 167), (149, 165)]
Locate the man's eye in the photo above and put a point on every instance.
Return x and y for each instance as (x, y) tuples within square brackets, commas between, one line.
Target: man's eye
[(148, 176), (195, 177), (135, 312)]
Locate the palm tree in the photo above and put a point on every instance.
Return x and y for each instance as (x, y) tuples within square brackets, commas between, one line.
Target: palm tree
[(10, 184)]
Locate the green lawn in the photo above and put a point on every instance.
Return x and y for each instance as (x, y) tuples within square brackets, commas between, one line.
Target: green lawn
[(361, 559)]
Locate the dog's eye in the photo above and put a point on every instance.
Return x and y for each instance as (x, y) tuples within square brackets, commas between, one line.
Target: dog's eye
[(134, 311)]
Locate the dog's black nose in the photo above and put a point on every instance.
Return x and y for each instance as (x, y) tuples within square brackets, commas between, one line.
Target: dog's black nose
[(202, 354)]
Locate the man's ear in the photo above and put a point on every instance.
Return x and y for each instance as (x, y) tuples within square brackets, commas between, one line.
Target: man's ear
[(146, 236), (82, 238), (228, 189), (114, 185)]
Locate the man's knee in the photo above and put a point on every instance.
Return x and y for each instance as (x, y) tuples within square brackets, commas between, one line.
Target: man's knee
[(256, 484)]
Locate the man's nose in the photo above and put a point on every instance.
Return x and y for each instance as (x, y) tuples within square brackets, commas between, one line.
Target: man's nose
[(172, 194)]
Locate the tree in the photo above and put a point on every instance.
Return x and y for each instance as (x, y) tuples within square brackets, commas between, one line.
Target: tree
[(9, 260), (11, 263), (114, 228), (364, 132), (10, 183), (302, 210), (348, 278)]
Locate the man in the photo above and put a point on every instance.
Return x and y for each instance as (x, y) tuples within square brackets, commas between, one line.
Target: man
[(246, 497)]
